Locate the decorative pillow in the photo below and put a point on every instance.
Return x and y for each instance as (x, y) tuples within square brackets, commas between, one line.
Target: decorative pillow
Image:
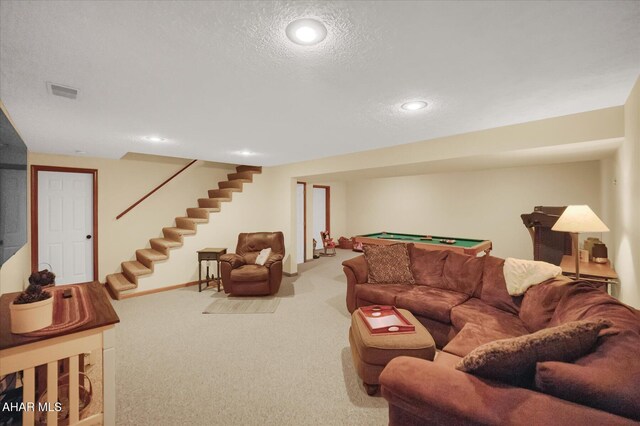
[(514, 360), (462, 273), (427, 265), (521, 274), (263, 256), (388, 264)]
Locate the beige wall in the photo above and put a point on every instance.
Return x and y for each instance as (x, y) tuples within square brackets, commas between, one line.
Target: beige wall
[(624, 198), (481, 204), (599, 125), (122, 182), (269, 203), (256, 208)]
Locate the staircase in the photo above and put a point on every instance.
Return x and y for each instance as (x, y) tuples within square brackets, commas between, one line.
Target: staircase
[(124, 282)]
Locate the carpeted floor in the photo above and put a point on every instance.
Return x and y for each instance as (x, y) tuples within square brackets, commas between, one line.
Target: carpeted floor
[(176, 366), (243, 305)]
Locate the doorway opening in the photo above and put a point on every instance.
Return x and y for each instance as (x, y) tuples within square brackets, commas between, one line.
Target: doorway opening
[(301, 221), (321, 212)]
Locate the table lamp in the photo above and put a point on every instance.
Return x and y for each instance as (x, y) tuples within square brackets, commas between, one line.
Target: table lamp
[(576, 219)]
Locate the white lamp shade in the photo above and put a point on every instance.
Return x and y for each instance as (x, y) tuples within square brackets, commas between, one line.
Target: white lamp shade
[(579, 219)]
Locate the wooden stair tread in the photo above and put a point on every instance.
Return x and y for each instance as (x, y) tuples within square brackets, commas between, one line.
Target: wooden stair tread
[(231, 184), (252, 169), (241, 176), (223, 193), (166, 242), (151, 254), (181, 231), (136, 268), (206, 202), (194, 219), (118, 282), (198, 212)]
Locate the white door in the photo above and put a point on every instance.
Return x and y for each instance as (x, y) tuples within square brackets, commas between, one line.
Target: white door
[(300, 212), (65, 225), (13, 202), (319, 214)]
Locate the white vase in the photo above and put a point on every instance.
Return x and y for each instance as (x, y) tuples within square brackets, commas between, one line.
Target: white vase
[(29, 317)]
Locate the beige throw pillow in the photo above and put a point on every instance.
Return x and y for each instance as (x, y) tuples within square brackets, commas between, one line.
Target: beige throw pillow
[(514, 360), (388, 264)]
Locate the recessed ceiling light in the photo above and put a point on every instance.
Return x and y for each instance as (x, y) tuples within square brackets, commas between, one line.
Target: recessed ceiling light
[(155, 139), (306, 31), (413, 105), (244, 153)]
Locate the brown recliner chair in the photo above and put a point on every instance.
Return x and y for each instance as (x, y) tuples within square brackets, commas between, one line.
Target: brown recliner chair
[(240, 274)]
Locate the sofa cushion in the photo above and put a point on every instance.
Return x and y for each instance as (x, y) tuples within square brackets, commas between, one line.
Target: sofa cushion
[(379, 294), (250, 273), (475, 311), (582, 301), (514, 360), (388, 264), (434, 303), (540, 301), (462, 273), (427, 265), (494, 288), (472, 336), (446, 359), (608, 378)]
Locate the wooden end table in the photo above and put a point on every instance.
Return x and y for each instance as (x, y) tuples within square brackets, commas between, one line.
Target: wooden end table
[(599, 273), (209, 254)]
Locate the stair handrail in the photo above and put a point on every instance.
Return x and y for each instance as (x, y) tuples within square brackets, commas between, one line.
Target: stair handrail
[(154, 190)]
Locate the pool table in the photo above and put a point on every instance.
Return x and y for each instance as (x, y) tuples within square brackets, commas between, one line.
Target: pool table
[(461, 245)]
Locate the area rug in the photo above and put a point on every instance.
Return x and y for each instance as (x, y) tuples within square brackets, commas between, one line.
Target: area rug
[(243, 305)]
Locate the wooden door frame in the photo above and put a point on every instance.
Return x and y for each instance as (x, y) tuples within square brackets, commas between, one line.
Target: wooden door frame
[(304, 214), (34, 211), (327, 206)]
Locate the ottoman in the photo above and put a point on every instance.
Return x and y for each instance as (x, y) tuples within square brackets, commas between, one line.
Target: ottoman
[(371, 353)]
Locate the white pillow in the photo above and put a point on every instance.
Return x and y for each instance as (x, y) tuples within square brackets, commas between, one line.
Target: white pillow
[(520, 274), (263, 256)]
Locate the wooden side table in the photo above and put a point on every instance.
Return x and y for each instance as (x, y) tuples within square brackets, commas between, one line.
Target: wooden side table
[(209, 254), (590, 271)]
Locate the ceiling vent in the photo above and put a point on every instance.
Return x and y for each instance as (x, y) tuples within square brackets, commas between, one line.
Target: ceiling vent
[(64, 91)]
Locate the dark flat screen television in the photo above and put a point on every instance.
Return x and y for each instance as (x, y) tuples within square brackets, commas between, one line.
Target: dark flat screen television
[(13, 190)]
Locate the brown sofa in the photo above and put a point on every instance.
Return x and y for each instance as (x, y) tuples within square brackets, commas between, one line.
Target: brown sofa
[(463, 301), (240, 274)]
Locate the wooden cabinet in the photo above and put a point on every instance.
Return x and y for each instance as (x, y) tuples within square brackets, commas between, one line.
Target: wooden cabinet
[(19, 353)]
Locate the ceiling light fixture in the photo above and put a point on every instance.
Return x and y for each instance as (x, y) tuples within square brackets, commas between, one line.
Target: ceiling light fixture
[(306, 31), (154, 139), (413, 105)]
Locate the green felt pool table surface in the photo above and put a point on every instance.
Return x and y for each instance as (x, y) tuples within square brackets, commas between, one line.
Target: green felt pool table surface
[(466, 245), (411, 238)]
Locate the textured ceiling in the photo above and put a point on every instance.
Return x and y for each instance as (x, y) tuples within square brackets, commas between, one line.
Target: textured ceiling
[(218, 77)]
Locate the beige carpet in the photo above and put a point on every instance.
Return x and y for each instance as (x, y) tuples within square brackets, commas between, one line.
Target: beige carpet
[(243, 305), (176, 366)]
